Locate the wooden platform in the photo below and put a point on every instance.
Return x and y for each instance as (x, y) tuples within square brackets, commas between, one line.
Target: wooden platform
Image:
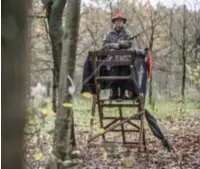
[(116, 123)]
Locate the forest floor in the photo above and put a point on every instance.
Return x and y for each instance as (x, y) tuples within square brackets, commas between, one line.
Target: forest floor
[(181, 129)]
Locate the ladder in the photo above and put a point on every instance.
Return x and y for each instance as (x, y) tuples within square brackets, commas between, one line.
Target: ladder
[(117, 123)]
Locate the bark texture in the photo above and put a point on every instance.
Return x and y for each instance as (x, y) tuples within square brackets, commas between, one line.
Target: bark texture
[(64, 139), (54, 15)]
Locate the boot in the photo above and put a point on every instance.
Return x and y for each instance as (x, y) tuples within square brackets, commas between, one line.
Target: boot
[(134, 96), (114, 95), (122, 94)]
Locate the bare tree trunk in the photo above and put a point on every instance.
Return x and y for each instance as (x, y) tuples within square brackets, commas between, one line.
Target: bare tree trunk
[(151, 79), (184, 55), (14, 69), (64, 137), (151, 42), (198, 37), (197, 34), (169, 58), (54, 15)]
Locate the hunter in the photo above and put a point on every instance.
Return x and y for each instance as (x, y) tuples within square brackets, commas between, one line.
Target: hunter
[(118, 38)]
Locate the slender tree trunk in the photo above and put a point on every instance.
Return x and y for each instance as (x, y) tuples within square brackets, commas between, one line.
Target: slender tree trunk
[(54, 15), (197, 36), (169, 58), (64, 138), (14, 69), (151, 78), (184, 55)]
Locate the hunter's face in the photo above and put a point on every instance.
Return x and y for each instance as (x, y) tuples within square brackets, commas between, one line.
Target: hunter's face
[(118, 23)]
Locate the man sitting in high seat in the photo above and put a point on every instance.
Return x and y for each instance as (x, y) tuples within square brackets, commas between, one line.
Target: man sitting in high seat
[(118, 38)]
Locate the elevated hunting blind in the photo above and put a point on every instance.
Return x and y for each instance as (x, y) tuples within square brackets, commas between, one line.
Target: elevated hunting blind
[(135, 82)]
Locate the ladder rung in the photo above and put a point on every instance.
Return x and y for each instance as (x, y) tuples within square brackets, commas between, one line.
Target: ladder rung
[(114, 63), (119, 105), (135, 53), (114, 142), (119, 130), (112, 52), (120, 118), (113, 78), (116, 100), (126, 144)]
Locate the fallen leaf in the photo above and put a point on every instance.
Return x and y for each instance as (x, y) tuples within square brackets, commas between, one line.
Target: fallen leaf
[(87, 95), (105, 156), (102, 130), (47, 112), (69, 105), (38, 156)]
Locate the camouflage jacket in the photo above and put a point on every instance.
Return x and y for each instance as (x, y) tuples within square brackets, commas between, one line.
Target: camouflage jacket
[(115, 40), (114, 37)]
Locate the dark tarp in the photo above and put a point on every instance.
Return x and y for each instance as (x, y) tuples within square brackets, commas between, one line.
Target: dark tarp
[(152, 122), (88, 83), (137, 83)]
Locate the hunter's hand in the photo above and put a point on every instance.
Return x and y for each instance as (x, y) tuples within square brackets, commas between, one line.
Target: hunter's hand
[(123, 44), (112, 45)]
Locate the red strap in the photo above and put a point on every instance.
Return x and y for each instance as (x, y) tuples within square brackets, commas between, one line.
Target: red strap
[(149, 64)]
